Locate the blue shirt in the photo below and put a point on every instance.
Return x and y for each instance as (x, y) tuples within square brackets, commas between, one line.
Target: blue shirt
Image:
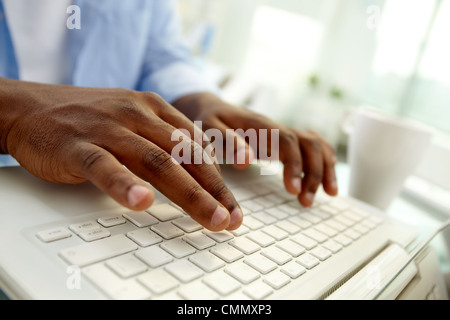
[(132, 44)]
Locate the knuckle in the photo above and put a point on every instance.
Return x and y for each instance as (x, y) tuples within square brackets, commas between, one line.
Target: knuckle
[(154, 100), (90, 159), (288, 137), (193, 193), (313, 143), (159, 161), (219, 190)]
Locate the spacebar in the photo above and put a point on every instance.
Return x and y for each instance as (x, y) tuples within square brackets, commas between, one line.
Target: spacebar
[(89, 253)]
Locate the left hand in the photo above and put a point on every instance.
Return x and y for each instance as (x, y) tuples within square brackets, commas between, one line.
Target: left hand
[(307, 158)]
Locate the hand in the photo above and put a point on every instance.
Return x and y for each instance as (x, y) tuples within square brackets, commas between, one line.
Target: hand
[(114, 138), (307, 158)]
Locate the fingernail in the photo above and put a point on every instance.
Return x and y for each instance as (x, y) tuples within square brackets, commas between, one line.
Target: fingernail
[(236, 216), (297, 183), (219, 216), (334, 184), (310, 197), (136, 194)]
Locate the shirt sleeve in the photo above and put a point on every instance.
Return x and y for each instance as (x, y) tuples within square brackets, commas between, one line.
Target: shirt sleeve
[(169, 68)]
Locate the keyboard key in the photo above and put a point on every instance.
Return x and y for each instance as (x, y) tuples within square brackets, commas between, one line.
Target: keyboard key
[(265, 202), (301, 222), (158, 281), (252, 223), (165, 212), (89, 253), (277, 213), (94, 234), (264, 218), (278, 256), (140, 219), (309, 217), (308, 261), (222, 283), (321, 253), (288, 209), (54, 234), (187, 224), (287, 226), (144, 237), (178, 248), (304, 241), (259, 189), (343, 240), (293, 269), (240, 231), (315, 235), (111, 221), (323, 228), (258, 290), (126, 266), (113, 286), (275, 232), (335, 225), (291, 247), (321, 214), (245, 245), (330, 209), (206, 261), (167, 230), (261, 238), (332, 245), (260, 263), (242, 272), (339, 204), (199, 240), (242, 194), (252, 205), (154, 256), (361, 228), (220, 236), (277, 279), (184, 270), (352, 233), (227, 253), (197, 291), (84, 226)]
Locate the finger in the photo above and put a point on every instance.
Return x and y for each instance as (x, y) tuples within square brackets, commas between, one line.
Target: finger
[(313, 169), (179, 121), (105, 172), (200, 191), (286, 149), (237, 151), (291, 157), (329, 180)]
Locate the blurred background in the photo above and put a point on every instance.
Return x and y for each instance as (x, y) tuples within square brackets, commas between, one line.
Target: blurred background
[(308, 64)]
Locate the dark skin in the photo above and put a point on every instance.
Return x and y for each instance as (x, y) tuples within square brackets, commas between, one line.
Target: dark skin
[(117, 139)]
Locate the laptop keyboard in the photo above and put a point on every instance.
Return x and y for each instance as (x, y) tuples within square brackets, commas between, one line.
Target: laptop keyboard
[(162, 253)]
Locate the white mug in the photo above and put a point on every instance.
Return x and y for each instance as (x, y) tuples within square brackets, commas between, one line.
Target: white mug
[(383, 151)]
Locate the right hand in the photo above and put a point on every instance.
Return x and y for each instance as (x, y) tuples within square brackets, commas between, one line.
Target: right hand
[(112, 137)]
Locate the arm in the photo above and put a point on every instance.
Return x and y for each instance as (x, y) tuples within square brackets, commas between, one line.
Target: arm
[(114, 138)]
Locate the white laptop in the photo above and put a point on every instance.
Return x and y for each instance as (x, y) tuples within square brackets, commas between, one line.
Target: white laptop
[(74, 242)]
